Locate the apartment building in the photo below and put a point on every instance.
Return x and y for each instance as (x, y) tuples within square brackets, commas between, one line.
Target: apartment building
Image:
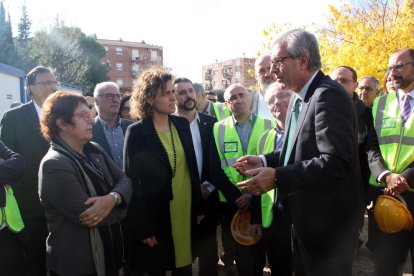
[(219, 75), (128, 59)]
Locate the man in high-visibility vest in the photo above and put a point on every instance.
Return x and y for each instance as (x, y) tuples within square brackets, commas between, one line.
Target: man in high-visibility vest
[(217, 110), (234, 137), (11, 249), (392, 166), (276, 227)]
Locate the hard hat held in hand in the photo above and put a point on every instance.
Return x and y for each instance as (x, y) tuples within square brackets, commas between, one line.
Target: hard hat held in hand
[(392, 215), (240, 229)]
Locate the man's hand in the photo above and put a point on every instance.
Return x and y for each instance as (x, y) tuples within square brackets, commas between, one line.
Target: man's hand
[(243, 202), (396, 184), (263, 181), (151, 241), (205, 192), (248, 162), (256, 230)]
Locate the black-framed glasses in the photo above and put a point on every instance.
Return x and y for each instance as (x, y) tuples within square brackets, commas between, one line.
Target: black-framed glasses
[(233, 98), (344, 80), (85, 115), (111, 96), (277, 62), (47, 82), (366, 88), (398, 67)]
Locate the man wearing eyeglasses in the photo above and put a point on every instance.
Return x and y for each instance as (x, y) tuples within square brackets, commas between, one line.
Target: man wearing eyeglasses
[(234, 137), (392, 164), (20, 131), (109, 129), (317, 170), (368, 90)]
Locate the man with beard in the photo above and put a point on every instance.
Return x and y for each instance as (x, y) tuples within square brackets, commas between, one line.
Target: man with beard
[(392, 164), (264, 78), (201, 125)]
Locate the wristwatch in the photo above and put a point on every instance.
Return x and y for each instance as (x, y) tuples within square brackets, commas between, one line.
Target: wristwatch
[(117, 197)]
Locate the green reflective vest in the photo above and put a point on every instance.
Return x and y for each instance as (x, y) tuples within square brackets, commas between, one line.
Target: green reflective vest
[(396, 141), (230, 148), (11, 213), (220, 111), (267, 144)]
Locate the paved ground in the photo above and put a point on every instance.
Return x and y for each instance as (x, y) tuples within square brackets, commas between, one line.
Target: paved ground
[(363, 265)]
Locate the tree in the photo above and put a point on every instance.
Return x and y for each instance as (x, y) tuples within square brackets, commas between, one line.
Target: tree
[(23, 45), (74, 57), (8, 53), (363, 34), (24, 25)]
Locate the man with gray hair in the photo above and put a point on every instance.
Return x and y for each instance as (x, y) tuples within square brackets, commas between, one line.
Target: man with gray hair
[(109, 129), (317, 170), (368, 90)]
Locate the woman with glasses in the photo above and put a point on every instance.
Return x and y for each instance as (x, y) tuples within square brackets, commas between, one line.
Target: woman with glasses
[(160, 160), (83, 192), (124, 108)]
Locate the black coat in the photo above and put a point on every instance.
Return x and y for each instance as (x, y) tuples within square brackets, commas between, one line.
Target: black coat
[(147, 164)]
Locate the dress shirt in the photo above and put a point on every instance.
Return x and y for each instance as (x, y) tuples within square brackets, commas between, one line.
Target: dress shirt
[(38, 109), (244, 131), (115, 137)]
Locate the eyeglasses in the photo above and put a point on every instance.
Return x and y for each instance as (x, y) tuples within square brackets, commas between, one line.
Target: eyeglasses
[(48, 82), (111, 96), (90, 106), (277, 62), (366, 88), (86, 115), (398, 67), (235, 97)]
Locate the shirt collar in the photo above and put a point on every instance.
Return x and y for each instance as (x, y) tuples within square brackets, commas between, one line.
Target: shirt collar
[(38, 109), (105, 124), (304, 90), (251, 119), (400, 95)]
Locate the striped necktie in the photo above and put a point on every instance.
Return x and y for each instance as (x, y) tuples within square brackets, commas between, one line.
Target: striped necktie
[(405, 108)]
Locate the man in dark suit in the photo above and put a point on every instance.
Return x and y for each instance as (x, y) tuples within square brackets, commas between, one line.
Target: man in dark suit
[(20, 131), (317, 171), (201, 126), (109, 129)]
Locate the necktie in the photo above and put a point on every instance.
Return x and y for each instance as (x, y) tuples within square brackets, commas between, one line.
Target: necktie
[(292, 128), (405, 108)]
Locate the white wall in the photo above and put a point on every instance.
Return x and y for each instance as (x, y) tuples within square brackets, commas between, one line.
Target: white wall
[(9, 91)]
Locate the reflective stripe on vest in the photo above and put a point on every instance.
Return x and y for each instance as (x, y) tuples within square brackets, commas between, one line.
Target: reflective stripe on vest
[(220, 111), (266, 145), (229, 146), (11, 213), (396, 141)]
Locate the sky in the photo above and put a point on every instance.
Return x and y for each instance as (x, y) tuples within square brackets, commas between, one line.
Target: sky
[(193, 33)]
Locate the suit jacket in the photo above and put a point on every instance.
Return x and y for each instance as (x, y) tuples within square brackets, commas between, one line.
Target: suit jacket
[(147, 164), (20, 131), (320, 187), (99, 134)]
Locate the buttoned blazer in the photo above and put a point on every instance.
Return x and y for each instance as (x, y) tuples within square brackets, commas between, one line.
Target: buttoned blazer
[(147, 164), (98, 134), (321, 187), (20, 132)]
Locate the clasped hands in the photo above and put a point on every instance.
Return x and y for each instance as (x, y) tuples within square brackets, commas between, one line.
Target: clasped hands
[(263, 178), (396, 184), (99, 209)]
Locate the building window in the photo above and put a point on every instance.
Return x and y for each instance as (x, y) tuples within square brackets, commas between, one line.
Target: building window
[(237, 80), (134, 81), (135, 54), (119, 67), (135, 70), (154, 56), (118, 51), (237, 68), (120, 82)]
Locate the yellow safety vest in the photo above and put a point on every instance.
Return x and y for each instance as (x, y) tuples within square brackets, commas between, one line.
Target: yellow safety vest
[(11, 213), (220, 111), (230, 148), (267, 144), (396, 141)]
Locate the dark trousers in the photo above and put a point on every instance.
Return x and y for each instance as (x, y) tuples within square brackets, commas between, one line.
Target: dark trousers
[(250, 260), (336, 260), (226, 215), (206, 247), (277, 239), (12, 260), (181, 271), (34, 239)]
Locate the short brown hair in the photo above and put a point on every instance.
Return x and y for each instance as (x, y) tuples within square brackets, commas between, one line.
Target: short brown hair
[(146, 87), (59, 105), (31, 76)]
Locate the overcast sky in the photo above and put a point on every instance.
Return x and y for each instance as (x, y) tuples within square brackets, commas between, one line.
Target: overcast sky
[(192, 33)]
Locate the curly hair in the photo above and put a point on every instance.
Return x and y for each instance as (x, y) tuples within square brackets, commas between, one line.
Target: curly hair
[(146, 87), (59, 105)]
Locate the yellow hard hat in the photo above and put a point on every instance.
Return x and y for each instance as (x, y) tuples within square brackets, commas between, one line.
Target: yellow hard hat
[(392, 215), (240, 229)]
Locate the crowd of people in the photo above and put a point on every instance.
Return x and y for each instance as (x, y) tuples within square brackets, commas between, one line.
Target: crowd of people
[(137, 184)]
